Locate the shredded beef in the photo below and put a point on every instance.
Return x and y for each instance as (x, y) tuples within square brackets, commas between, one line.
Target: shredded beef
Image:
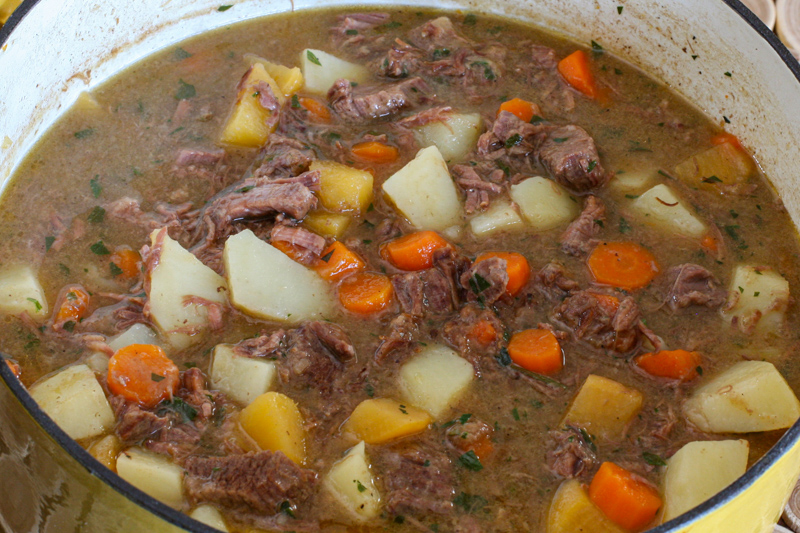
[(135, 424), (542, 74), (283, 157), (460, 333), (316, 355), (292, 199), (350, 28), (570, 155), (402, 330), (478, 191), (401, 60), (487, 280), (423, 292), (259, 481), (437, 34), (261, 346), (453, 265), (418, 479), (164, 215), (553, 283), (307, 246), (568, 453), (471, 435), (366, 104), (691, 284), (335, 339), (579, 237), (600, 320)]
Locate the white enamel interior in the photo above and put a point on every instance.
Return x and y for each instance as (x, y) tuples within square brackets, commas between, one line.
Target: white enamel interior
[(62, 47)]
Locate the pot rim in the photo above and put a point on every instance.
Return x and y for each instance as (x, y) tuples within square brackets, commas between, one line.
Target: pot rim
[(790, 438)]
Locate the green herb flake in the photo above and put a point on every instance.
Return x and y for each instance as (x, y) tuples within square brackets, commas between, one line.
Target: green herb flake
[(624, 226), (360, 486), (427, 463), (741, 290), (734, 214), (176, 130), (115, 269), (99, 248), (94, 185), (185, 91), (596, 47), (245, 189), (69, 326), (711, 179), (632, 196), (470, 461), (465, 418), (588, 440), (505, 168), (470, 19), (403, 409), (399, 519), (699, 370), (295, 102), (695, 56), (72, 296), (756, 294), (327, 257), (504, 358), (351, 32), (83, 134), (470, 503), (653, 459), (97, 215), (371, 208), (370, 390), (515, 414), (726, 119), (64, 269), (619, 10), (560, 139), (478, 283), (731, 231), (48, 242), (180, 54), (513, 140), (617, 71), (190, 364), (177, 406), (286, 508), (224, 8), (36, 304), (155, 377), (728, 74), (439, 53), (311, 57)]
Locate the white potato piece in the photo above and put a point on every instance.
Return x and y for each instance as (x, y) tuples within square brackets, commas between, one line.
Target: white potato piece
[(153, 474), (321, 70), (661, 208), (455, 136), (757, 299), (178, 277), (136, 334), (699, 470), (424, 192), (632, 182), (500, 216), (749, 396), (351, 483), (544, 203), (241, 378), (97, 361), (75, 401), (435, 379), (266, 283), (20, 291), (209, 516)]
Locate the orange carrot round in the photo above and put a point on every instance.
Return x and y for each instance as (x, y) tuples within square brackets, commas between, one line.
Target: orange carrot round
[(376, 152), (317, 111), (523, 109), (294, 252), (622, 264), (537, 350), (576, 71), (338, 261), (73, 306), (366, 293), (519, 272), (673, 364), (142, 373), (14, 367), (483, 332), (413, 251), (709, 243), (625, 499), (128, 262)]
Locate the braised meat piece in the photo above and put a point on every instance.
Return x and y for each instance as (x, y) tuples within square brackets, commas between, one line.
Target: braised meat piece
[(474, 333), (402, 330), (602, 320), (418, 479), (569, 453), (690, 284), (307, 246), (487, 280), (423, 292), (316, 356), (553, 283), (579, 237), (366, 104)]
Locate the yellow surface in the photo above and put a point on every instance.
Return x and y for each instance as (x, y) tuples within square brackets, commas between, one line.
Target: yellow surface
[(343, 189), (248, 124), (7, 7), (383, 420), (330, 225), (604, 407), (274, 421), (573, 512)]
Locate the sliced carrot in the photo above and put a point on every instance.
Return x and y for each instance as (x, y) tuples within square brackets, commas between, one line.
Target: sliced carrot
[(729, 138), (710, 243), (523, 109), (289, 249), (128, 263), (576, 71), (376, 152), (142, 373), (622, 264), (317, 111), (673, 364), (483, 332), (337, 261), (413, 251), (537, 350), (625, 499), (482, 447), (72, 307), (519, 272), (366, 292), (15, 369)]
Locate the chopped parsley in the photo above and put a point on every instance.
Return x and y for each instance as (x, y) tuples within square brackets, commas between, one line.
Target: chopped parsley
[(97, 215), (515, 413), (370, 390), (592, 164), (48, 242), (351, 32), (177, 406), (99, 248), (69, 326), (327, 257), (504, 358), (185, 91), (88, 132), (245, 189), (359, 486), (181, 54), (514, 140), (731, 231), (653, 459), (295, 102), (478, 283), (470, 461), (624, 226), (470, 19), (596, 47), (619, 10), (115, 269), (470, 503), (711, 179), (156, 377), (94, 185), (36, 303), (286, 508), (311, 57), (224, 8)]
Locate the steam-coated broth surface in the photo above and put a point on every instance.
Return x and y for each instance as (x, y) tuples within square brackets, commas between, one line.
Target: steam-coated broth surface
[(523, 274)]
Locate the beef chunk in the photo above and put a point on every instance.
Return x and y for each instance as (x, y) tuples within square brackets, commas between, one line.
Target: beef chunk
[(283, 157), (135, 424), (418, 479), (478, 191), (259, 481), (570, 155), (471, 435), (423, 292), (601, 320), (350, 28), (307, 246), (402, 330), (335, 339), (569, 455), (438, 34), (316, 355), (367, 104), (261, 346), (461, 332), (552, 282), (401, 60), (129, 210), (453, 265), (541, 73), (193, 391), (487, 280), (292, 199), (579, 237), (509, 136), (690, 284)]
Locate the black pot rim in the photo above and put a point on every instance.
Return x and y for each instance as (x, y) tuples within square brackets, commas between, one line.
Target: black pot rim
[(789, 439)]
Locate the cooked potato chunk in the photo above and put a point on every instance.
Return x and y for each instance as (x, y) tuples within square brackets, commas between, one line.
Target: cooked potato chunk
[(435, 379), (351, 483), (250, 123), (572, 511), (209, 516), (329, 225), (241, 378), (266, 283), (153, 474), (21, 291), (106, 451), (177, 278), (544, 203), (501, 216), (721, 164), (604, 407), (274, 421), (74, 399), (424, 192), (289, 80), (382, 420), (321, 70), (660, 207), (455, 136), (749, 396), (136, 334), (343, 189), (699, 470), (757, 299), (632, 182)]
